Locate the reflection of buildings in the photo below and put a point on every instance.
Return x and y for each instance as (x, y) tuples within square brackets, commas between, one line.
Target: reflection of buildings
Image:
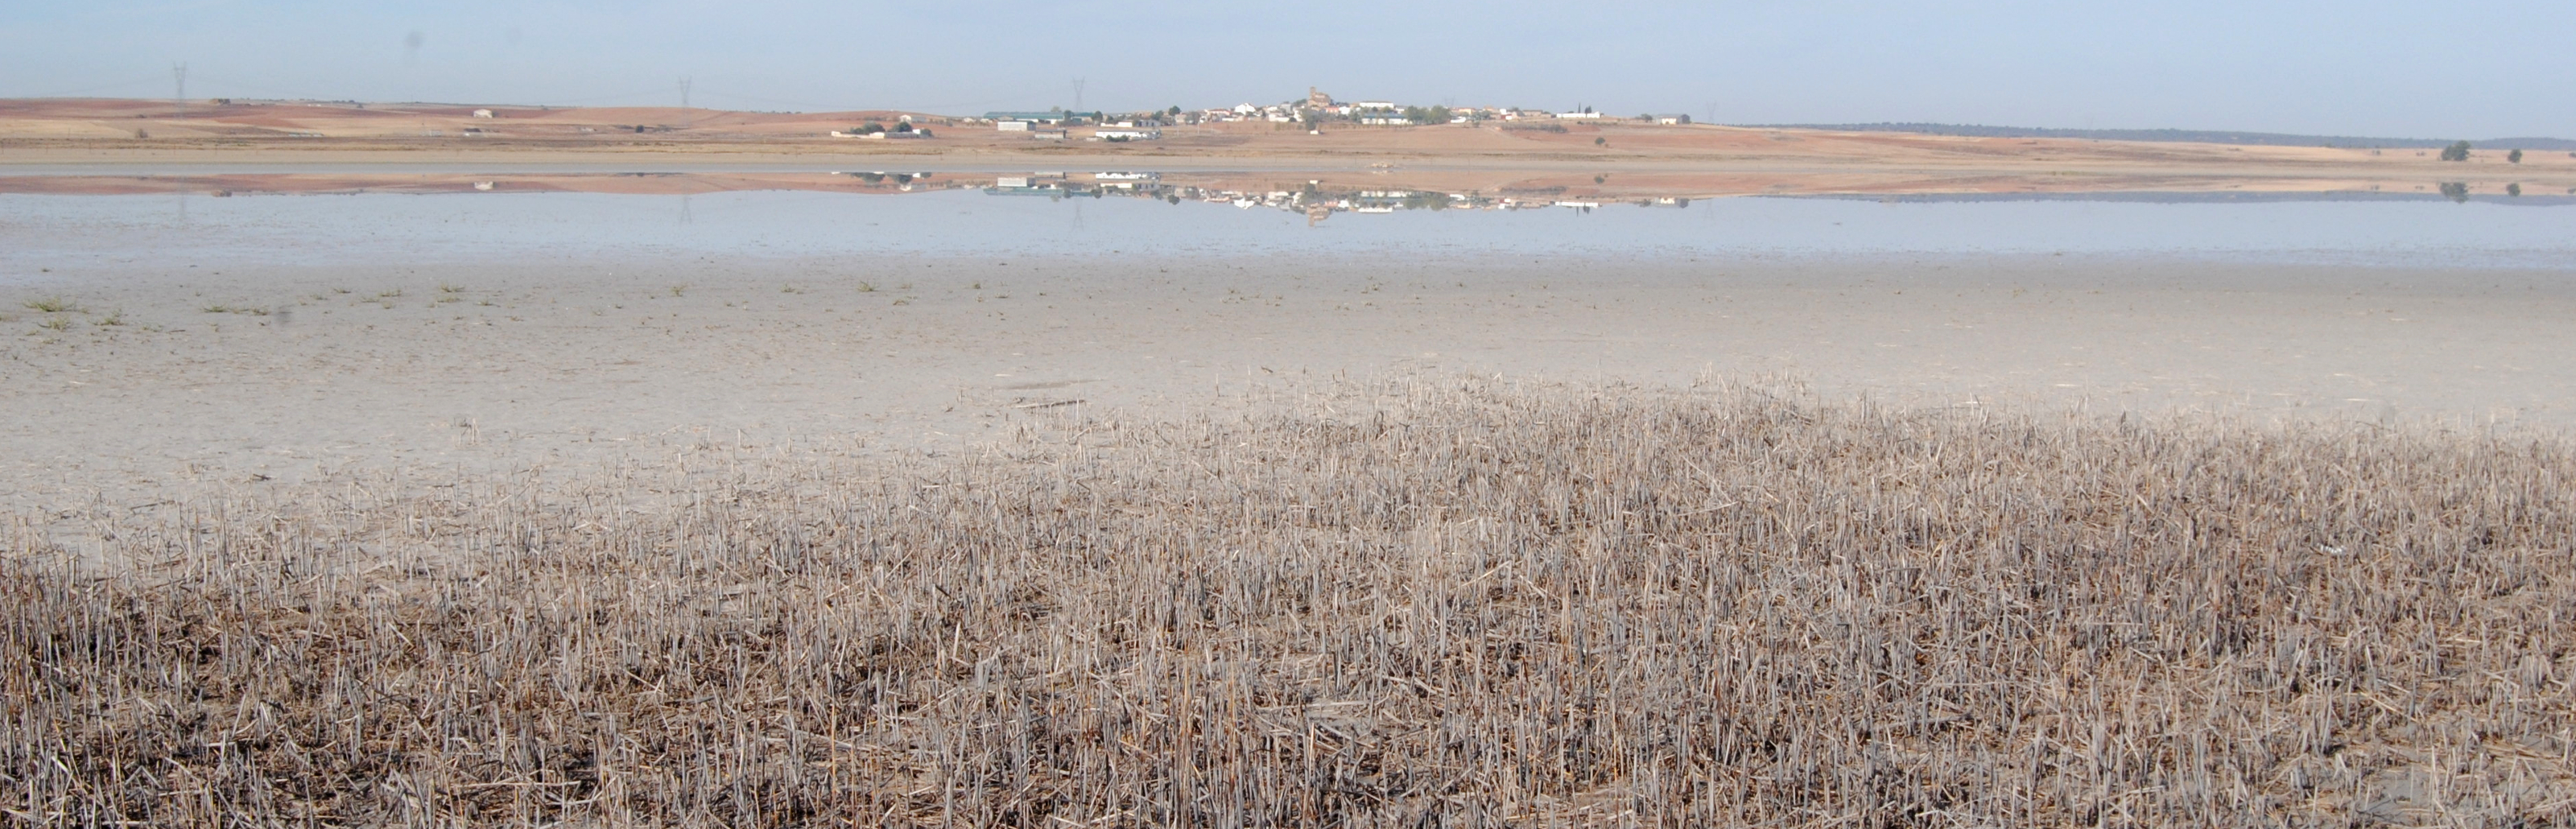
[(1315, 200)]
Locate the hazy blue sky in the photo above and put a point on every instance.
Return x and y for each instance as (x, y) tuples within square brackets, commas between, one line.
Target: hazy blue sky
[(2431, 68)]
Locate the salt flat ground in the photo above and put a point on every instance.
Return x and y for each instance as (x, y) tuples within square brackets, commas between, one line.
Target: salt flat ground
[(151, 378)]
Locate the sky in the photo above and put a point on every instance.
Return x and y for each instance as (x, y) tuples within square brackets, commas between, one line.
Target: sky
[(2421, 69)]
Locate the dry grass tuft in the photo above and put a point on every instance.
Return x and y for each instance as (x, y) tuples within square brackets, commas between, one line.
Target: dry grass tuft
[(1460, 606)]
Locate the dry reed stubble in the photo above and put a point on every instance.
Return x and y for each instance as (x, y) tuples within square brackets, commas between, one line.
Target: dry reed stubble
[(1464, 604)]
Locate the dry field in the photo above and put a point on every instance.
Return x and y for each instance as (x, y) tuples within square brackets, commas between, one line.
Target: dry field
[(1461, 603), (111, 136)]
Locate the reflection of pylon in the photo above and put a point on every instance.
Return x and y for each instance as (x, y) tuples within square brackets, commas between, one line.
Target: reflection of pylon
[(1317, 214), (684, 209)]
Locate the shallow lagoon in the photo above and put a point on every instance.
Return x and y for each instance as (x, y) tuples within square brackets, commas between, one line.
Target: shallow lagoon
[(975, 217)]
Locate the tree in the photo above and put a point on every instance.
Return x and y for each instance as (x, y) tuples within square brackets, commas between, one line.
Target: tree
[(2513, 189), (872, 128), (2458, 151), (2457, 191), (1175, 111), (2514, 157), (1427, 115)]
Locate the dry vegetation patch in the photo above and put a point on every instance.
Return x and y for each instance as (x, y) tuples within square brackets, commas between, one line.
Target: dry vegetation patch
[(1458, 605)]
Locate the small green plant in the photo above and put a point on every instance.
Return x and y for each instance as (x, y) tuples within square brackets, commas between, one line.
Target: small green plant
[(113, 318), (867, 287), (57, 323), (677, 290), (445, 288), (389, 294), (51, 305)]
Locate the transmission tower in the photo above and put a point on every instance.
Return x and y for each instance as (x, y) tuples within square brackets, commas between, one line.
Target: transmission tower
[(1077, 94), (179, 73), (684, 93)]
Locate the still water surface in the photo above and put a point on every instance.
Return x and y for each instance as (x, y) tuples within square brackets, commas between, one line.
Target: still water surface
[(191, 227)]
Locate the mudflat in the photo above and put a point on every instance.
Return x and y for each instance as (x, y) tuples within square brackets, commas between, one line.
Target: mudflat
[(130, 383)]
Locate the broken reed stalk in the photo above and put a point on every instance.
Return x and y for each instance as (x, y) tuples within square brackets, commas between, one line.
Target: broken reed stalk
[(1467, 604)]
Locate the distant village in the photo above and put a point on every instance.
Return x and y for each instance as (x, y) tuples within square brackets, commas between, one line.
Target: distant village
[(1317, 111)]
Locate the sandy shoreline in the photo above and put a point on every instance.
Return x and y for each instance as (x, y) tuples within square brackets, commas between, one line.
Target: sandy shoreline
[(285, 374)]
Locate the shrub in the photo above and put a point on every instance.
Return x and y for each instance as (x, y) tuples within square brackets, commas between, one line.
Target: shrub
[(1462, 604), (2458, 151)]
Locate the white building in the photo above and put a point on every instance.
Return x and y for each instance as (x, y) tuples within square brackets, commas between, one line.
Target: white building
[(1585, 116), (1123, 134), (482, 113), (1011, 126)]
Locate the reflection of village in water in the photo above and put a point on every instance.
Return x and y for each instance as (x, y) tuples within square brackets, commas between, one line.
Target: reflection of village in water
[(1315, 199), (1317, 195)]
